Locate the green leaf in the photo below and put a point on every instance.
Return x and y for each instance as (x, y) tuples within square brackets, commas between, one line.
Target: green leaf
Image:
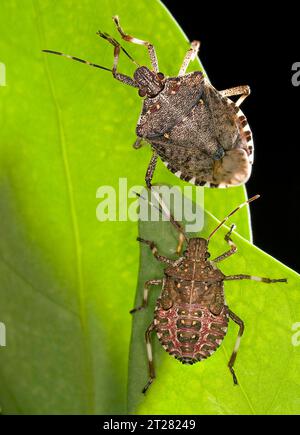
[(67, 281), (267, 362)]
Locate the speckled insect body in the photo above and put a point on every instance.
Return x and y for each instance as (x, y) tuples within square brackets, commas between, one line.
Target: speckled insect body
[(199, 133), (191, 315)]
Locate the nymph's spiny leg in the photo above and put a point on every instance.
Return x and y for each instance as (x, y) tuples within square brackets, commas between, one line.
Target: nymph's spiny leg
[(151, 49), (239, 322), (148, 333), (253, 278), (190, 55), (122, 77), (232, 245), (154, 251), (147, 286), (243, 91)]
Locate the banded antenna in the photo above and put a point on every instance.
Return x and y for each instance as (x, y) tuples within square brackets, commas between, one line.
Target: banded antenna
[(231, 213)]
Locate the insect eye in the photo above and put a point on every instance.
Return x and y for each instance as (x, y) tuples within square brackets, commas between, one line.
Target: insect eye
[(142, 92), (160, 76)]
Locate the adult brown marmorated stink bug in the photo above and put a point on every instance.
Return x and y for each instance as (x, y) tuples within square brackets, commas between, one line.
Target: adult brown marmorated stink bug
[(191, 316), (198, 132)]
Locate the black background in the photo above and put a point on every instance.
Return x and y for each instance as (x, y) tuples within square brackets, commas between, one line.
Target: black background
[(244, 43)]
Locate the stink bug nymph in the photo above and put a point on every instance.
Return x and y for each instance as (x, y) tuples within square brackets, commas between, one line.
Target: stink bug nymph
[(198, 132), (191, 316)]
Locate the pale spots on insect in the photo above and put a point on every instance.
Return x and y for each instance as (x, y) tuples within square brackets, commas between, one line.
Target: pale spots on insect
[(237, 344), (256, 278), (239, 113), (135, 40), (181, 312), (149, 352)]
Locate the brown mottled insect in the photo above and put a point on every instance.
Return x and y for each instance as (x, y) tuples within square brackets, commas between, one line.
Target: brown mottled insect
[(191, 315), (199, 133)]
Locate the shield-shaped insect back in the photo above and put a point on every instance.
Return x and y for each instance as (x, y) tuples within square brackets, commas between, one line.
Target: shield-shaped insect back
[(191, 315), (199, 133)]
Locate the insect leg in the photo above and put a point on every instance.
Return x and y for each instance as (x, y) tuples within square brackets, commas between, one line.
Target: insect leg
[(163, 209), (154, 251), (148, 333), (121, 77), (150, 170), (232, 245), (115, 43), (190, 55), (151, 49), (253, 278), (243, 91), (146, 294), (138, 143), (239, 322), (180, 243)]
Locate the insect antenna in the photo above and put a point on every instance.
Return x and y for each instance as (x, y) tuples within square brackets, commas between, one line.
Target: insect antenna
[(231, 213), (115, 43), (77, 59), (164, 211)]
